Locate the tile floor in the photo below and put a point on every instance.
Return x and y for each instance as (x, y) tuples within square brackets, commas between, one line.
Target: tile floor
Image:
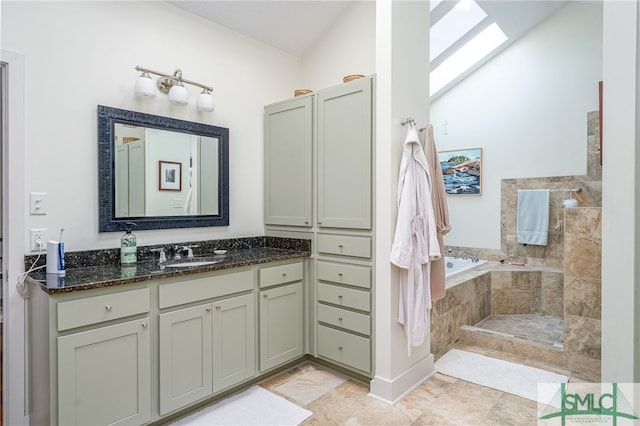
[(441, 400), (545, 329)]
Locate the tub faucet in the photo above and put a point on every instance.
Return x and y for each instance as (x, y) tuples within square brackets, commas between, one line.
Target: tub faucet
[(465, 255)]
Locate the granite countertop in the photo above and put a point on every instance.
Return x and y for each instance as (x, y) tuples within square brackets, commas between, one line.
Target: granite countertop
[(114, 274)]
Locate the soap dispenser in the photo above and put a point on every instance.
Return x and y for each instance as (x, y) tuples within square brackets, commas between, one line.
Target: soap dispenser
[(128, 246)]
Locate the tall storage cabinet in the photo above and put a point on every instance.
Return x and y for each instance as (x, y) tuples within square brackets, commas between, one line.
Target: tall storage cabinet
[(344, 156), (336, 126), (288, 144)]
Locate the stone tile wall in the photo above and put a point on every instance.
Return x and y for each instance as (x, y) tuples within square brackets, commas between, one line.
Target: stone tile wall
[(464, 304), (582, 289), (527, 292)]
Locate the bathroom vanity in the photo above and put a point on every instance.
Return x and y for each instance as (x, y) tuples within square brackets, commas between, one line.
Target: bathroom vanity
[(109, 346)]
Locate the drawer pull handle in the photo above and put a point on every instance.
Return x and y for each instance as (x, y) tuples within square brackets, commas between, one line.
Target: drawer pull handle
[(107, 308), (284, 275), (208, 309), (145, 325), (340, 319), (218, 307), (340, 246), (265, 296), (340, 297), (340, 348), (306, 222), (319, 223), (340, 274)]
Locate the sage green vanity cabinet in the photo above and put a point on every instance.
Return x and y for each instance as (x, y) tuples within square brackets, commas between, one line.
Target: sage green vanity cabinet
[(208, 347), (288, 154), (186, 356), (104, 375), (91, 357), (281, 315), (136, 353)]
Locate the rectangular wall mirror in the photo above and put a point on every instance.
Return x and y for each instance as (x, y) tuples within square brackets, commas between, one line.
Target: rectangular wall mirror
[(161, 172)]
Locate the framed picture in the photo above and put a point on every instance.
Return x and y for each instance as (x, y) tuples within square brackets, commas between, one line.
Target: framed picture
[(170, 176), (462, 171)]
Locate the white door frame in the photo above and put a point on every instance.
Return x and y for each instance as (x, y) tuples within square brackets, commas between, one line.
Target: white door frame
[(13, 245)]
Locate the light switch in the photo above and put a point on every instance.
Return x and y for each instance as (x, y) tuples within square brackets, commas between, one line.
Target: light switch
[(38, 203)]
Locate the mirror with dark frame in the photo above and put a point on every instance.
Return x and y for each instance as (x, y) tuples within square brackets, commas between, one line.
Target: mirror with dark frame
[(160, 172)]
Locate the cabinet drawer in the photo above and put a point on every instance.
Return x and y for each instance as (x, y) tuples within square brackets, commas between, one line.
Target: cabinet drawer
[(341, 273), (345, 348), (93, 310), (347, 297), (349, 320), (345, 245), (196, 289), (281, 274)]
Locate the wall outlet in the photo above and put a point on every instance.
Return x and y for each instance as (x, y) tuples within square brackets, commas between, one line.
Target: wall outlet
[(38, 240)]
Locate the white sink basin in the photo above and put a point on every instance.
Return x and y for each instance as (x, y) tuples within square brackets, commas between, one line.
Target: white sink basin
[(191, 264)]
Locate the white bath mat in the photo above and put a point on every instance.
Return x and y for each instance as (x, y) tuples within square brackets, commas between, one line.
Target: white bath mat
[(506, 376), (255, 406)]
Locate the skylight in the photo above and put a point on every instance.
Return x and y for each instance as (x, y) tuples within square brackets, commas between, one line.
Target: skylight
[(459, 21), (465, 57)]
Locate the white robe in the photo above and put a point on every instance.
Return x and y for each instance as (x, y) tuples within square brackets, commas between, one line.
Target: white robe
[(416, 242)]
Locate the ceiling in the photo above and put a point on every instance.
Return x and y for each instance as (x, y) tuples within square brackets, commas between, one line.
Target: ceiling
[(294, 26)]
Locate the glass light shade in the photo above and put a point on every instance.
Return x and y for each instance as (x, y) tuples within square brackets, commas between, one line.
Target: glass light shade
[(145, 87), (205, 102), (178, 95)]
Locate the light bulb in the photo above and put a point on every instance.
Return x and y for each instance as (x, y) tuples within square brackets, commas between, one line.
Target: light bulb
[(205, 101), (178, 94), (145, 87)]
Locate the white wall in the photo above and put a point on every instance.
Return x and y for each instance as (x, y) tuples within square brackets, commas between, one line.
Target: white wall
[(620, 203), (348, 47), (527, 108), (81, 54)]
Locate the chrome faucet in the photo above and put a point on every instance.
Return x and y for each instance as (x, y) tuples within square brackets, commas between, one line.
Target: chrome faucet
[(465, 255), (186, 251)]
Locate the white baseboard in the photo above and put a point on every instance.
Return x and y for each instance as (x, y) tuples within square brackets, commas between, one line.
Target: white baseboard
[(393, 390)]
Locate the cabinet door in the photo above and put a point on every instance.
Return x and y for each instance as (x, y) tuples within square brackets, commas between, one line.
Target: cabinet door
[(281, 325), (104, 375), (234, 347), (344, 155), (185, 356), (288, 144)]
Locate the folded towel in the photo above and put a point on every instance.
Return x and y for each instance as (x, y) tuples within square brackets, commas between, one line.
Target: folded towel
[(533, 216)]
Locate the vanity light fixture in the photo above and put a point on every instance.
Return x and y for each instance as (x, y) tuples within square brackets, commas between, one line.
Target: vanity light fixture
[(174, 86)]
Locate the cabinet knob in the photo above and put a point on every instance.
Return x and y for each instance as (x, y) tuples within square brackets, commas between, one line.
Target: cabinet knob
[(218, 307), (340, 319), (340, 297), (208, 309), (306, 222), (340, 274), (107, 308), (265, 296), (145, 325), (340, 348), (284, 275), (319, 223), (340, 246)]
